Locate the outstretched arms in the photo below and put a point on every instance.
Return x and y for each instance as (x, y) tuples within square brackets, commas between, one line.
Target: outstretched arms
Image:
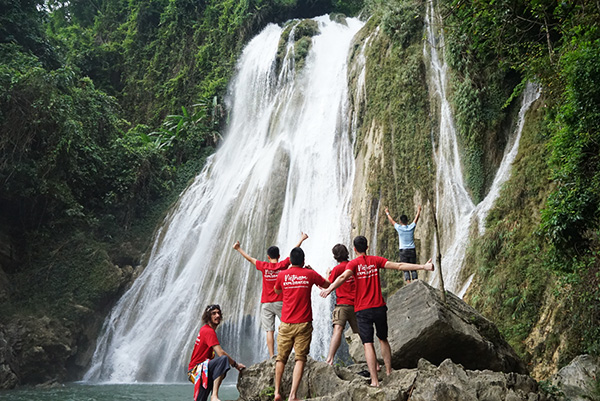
[(249, 258), (387, 213), (302, 238), (408, 266), (417, 215), (338, 281)]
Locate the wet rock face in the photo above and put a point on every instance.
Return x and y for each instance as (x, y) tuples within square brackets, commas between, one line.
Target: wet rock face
[(426, 382), (422, 326), (33, 351)]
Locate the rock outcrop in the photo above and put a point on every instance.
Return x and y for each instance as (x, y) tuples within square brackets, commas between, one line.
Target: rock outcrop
[(426, 382), (422, 326), (579, 380)]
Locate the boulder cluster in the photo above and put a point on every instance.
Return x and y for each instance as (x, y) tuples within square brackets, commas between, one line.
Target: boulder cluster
[(441, 350)]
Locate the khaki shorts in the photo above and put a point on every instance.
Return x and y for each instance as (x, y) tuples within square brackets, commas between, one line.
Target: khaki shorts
[(296, 335), (342, 314), (268, 311)]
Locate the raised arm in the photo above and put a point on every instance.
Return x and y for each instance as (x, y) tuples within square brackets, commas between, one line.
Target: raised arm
[(338, 281), (417, 215), (408, 266), (220, 352), (249, 258), (302, 238), (387, 213)]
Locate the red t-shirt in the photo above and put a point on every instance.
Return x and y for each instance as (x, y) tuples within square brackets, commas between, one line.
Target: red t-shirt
[(207, 338), (269, 271), (368, 285), (345, 292), (296, 283)]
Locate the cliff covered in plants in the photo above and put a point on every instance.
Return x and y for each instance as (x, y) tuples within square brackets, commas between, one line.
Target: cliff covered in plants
[(536, 267)]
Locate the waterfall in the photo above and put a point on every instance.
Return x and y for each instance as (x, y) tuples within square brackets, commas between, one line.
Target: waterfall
[(455, 208), (285, 166)]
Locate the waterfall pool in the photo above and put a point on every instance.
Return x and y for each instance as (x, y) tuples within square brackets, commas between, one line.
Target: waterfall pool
[(113, 392)]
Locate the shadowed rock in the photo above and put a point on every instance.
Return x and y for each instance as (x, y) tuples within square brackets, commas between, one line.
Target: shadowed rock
[(422, 326)]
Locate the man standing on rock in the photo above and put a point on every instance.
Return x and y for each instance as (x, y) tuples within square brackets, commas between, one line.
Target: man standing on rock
[(369, 303), (344, 304), (296, 328), (205, 370), (270, 301), (406, 239)]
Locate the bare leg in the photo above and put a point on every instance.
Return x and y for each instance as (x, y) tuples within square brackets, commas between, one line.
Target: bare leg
[(279, 368), (296, 377), (216, 385), (336, 340), (371, 358), (271, 343), (386, 353)]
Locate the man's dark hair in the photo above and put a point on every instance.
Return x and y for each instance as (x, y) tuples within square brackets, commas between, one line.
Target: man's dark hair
[(207, 312), (361, 244), (297, 257), (273, 252), (404, 219), (340, 253)]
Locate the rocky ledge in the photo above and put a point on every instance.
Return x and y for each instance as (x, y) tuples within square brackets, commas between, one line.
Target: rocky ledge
[(447, 382)]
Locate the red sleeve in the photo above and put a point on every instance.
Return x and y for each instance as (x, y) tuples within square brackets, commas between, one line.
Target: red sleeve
[(332, 276), (278, 281), (381, 261), (351, 266), (318, 279), (211, 338), (260, 265)]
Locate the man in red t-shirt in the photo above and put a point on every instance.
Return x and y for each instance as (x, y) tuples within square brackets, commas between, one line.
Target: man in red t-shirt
[(205, 370), (271, 303), (344, 305), (295, 330), (369, 304)]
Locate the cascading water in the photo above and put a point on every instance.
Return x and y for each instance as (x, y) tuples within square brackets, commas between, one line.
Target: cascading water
[(456, 211), (285, 166)]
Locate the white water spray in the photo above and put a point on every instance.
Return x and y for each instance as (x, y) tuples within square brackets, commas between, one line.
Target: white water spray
[(456, 211), (285, 166)]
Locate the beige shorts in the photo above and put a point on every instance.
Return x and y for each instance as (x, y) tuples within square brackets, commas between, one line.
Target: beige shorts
[(342, 314), (268, 311), (294, 335)]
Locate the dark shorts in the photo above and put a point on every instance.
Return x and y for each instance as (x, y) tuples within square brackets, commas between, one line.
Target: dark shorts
[(217, 367), (409, 256), (366, 318)]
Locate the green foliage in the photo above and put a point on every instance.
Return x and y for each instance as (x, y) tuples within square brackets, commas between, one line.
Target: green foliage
[(571, 216), (511, 277), (402, 20)]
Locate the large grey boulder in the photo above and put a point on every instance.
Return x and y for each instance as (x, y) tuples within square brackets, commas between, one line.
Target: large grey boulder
[(422, 326), (578, 381), (448, 382)]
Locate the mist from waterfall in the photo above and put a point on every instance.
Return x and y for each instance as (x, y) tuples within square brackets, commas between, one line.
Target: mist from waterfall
[(285, 166), (456, 212)]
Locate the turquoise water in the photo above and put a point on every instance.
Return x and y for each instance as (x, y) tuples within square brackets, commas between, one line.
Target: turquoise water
[(113, 392)]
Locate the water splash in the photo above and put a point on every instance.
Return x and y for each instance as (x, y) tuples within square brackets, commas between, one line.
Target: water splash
[(284, 167), (456, 211)]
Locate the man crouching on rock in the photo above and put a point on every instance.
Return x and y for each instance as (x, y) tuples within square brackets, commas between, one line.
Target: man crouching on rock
[(296, 328), (369, 304), (205, 370)]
